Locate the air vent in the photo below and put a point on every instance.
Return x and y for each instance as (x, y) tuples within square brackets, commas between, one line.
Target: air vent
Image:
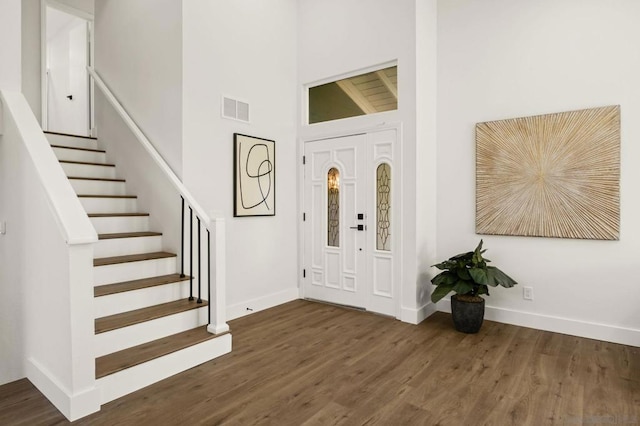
[(235, 109)]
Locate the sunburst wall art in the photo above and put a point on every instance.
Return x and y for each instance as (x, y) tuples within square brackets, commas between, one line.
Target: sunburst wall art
[(554, 175)]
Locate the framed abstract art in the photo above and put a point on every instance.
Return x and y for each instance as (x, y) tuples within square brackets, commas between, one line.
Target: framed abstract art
[(254, 171)]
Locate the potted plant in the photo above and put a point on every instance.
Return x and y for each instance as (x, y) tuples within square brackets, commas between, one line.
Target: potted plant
[(468, 275)]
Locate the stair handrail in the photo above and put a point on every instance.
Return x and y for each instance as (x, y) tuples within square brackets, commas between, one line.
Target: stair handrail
[(155, 155), (72, 220), (217, 321)]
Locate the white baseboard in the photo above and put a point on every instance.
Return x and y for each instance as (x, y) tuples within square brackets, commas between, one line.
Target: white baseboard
[(589, 330), (261, 303), (416, 316), (72, 406)]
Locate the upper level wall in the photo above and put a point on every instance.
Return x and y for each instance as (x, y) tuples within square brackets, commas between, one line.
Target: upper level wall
[(344, 36), (498, 59), (138, 52), (10, 13), (245, 49)]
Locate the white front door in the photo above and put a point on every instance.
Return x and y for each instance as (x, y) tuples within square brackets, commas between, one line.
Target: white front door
[(350, 233)]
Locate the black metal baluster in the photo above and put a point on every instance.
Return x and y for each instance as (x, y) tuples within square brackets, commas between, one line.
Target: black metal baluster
[(209, 274), (199, 258), (190, 253), (182, 240)]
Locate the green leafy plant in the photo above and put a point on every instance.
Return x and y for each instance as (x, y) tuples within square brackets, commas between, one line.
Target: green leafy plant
[(468, 274)]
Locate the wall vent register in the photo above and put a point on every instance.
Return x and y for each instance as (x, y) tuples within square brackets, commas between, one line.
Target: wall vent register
[(234, 109)]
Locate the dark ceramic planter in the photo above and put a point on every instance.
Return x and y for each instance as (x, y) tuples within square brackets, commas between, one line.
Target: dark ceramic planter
[(467, 315)]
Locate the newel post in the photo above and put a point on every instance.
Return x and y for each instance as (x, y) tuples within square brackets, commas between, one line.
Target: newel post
[(217, 296)]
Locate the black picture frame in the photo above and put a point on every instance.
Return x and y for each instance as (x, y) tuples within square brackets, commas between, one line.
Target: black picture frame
[(254, 176)]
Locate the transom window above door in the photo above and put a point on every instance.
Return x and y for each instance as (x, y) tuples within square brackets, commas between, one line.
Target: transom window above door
[(363, 94)]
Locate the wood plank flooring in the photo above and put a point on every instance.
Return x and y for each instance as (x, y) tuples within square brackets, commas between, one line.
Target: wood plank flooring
[(306, 363)]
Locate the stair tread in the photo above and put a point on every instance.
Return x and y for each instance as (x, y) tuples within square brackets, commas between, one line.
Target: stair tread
[(102, 151), (103, 261), (125, 319), (105, 196), (116, 214), (107, 289), (87, 163), (71, 135), (136, 355), (128, 235), (98, 179)]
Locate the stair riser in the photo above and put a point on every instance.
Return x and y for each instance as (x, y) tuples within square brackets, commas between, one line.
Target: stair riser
[(142, 298), (109, 205), (97, 187), (78, 155), (113, 225), (71, 141), (110, 274), (87, 170), (124, 246), (126, 381), (122, 338)]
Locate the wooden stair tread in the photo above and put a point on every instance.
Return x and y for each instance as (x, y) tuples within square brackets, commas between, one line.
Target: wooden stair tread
[(105, 196), (128, 235), (130, 357), (98, 179), (87, 163), (102, 151), (117, 214), (125, 319), (69, 134), (107, 289), (113, 260)]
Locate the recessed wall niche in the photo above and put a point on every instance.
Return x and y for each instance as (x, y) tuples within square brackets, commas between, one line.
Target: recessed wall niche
[(553, 175)]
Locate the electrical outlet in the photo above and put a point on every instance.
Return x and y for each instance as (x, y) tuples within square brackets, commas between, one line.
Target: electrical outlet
[(527, 293)]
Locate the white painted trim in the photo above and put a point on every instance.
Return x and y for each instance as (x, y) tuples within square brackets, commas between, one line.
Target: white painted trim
[(151, 150), (398, 145), (589, 330), (72, 406), (70, 10), (416, 316), (261, 303), (72, 220), (44, 81)]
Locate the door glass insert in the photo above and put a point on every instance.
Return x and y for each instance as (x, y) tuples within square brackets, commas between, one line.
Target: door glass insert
[(362, 94), (333, 207), (383, 207)]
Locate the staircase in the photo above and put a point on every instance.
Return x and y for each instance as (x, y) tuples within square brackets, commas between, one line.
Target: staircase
[(146, 328)]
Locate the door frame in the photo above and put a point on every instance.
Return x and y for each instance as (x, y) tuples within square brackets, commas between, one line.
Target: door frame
[(43, 58), (399, 190)]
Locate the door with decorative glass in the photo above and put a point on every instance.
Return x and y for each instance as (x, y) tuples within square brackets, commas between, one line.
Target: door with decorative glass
[(349, 226)]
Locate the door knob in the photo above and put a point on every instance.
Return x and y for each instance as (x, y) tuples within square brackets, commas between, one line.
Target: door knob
[(358, 227)]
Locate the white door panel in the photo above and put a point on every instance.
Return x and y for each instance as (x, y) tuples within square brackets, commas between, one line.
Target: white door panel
[(349, 255)]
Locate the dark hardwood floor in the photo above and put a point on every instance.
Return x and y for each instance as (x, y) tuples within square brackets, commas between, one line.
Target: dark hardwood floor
[(306, 363)]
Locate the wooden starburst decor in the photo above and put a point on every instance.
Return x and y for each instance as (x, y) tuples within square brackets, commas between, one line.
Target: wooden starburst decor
[(554, 175)]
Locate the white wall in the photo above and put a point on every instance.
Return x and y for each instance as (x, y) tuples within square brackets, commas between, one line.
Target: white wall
[(138, 52), (338, 37), (501, 59), (244, 49), (47, 308), (10, 13)]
